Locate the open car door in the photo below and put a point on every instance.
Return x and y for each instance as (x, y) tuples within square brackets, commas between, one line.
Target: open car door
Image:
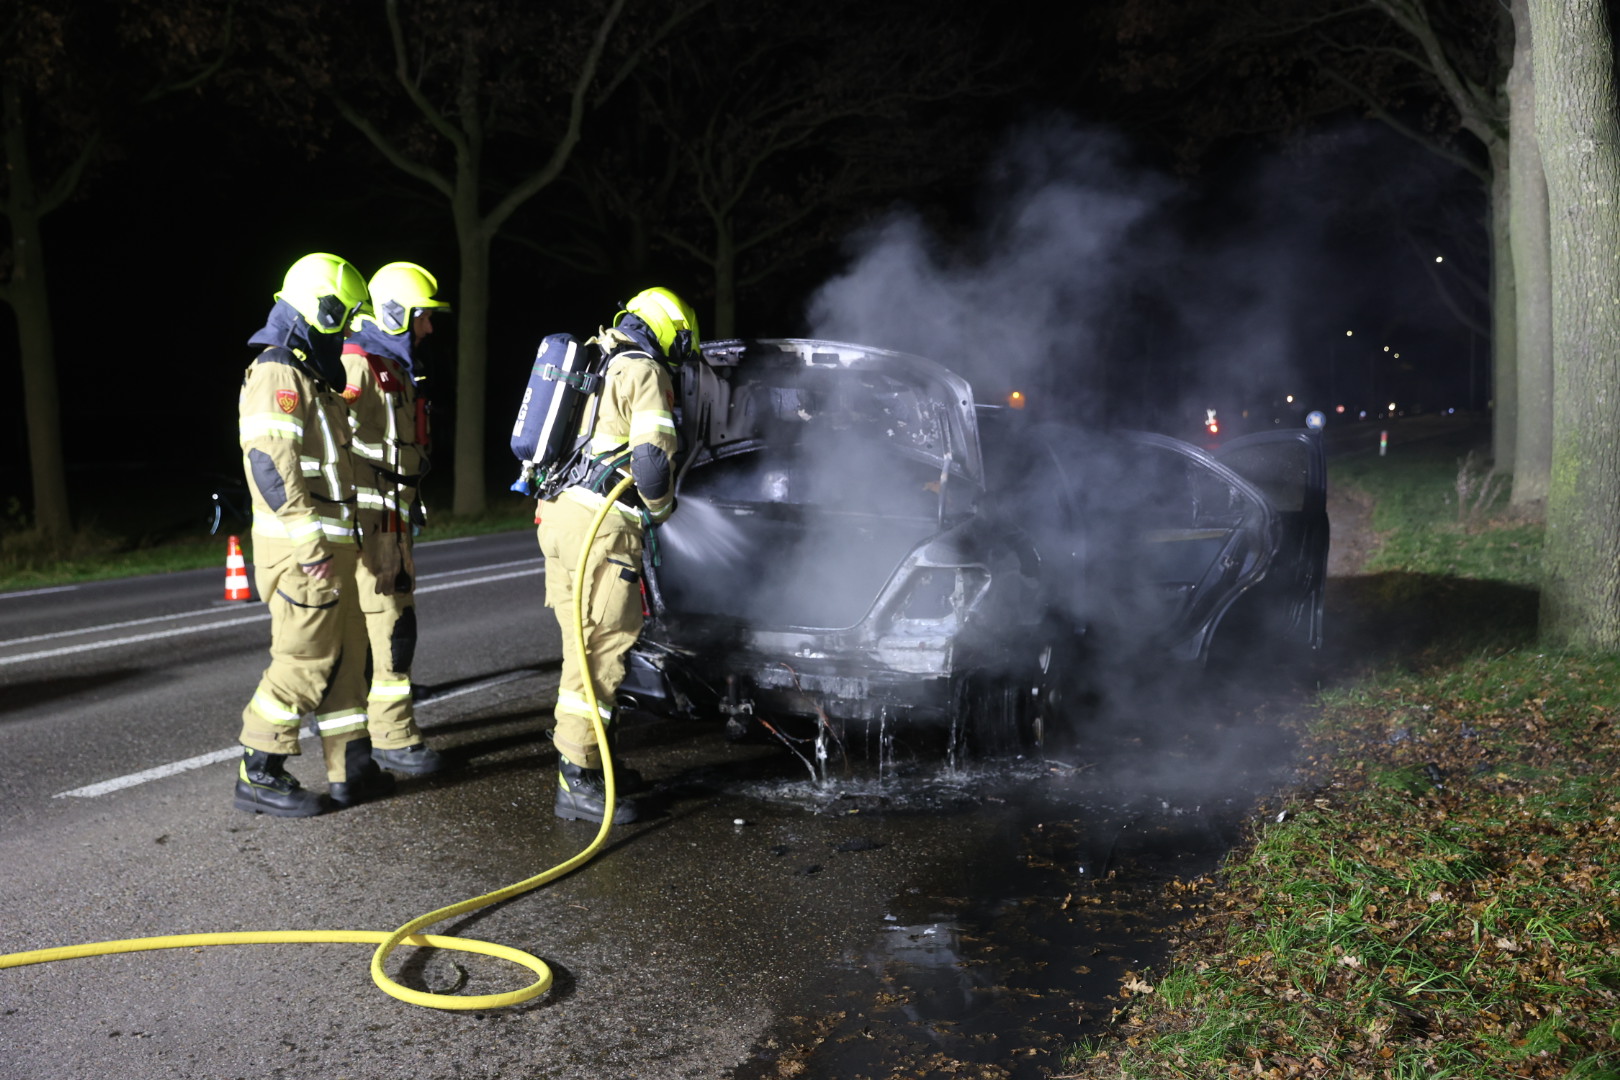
[(1146, 540), (1196, 538), (1290, 468)]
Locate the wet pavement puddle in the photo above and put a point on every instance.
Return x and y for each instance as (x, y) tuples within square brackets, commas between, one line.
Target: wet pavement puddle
[(990, 965)]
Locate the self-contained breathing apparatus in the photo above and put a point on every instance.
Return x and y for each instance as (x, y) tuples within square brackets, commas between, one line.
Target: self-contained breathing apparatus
[(557, 418), (549, 438)]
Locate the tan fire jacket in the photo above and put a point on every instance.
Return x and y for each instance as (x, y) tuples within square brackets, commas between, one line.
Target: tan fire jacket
[(636, 407), (295, 439), (388, 450)]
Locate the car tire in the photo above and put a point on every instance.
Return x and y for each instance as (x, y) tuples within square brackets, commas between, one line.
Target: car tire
[(998, 717)]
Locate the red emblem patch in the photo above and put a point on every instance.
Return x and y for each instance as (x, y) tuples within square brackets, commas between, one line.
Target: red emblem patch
[(287, 400), (351, 393)]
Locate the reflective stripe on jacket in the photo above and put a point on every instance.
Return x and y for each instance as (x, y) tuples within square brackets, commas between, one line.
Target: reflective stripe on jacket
[(295, 435), (382, 418), (637, 402)]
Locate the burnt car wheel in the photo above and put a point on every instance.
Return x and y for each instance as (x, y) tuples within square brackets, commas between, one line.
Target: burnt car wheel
[(998, 716)]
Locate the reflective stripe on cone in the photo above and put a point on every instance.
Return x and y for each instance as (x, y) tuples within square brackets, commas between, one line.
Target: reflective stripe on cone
[(236, 579)]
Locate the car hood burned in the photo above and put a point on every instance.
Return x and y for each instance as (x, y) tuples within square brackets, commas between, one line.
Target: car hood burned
[(776, 391), (855, 540)]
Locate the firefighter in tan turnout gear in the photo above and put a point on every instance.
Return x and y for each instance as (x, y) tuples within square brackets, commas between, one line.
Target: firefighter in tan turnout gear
[(634, 435), (294, 432), (389, 420)]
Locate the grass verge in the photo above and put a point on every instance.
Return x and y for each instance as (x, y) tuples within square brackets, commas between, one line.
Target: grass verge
[(95, 554), (1440, 898)]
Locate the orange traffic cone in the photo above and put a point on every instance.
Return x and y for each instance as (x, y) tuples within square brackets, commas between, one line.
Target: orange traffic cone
[(236, 581)]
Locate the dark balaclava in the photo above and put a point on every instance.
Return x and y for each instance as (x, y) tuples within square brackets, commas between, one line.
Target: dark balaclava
[(379, 342), (323, 353), (633, 328)]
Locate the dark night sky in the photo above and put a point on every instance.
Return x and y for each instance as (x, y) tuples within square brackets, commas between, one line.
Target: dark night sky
[(168, 261)]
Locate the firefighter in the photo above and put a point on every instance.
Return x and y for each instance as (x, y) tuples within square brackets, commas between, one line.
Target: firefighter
[(295, 451), (633, 435), (389, 420)]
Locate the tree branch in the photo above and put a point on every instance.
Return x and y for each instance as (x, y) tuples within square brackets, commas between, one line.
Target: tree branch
[(1451, 301), (467, 101), (396, 33), (584, 258), (67, 182), (208, 71), (780, 226), (1475, 103), (397, 157), (657, 38), (537, 180), (681, 243), (1377, 110)]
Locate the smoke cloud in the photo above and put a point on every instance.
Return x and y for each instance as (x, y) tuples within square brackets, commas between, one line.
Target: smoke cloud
[(1120, 294), (1026, 302), (1113, 295)]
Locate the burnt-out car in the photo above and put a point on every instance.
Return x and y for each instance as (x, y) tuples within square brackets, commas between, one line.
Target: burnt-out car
[(856, 542)]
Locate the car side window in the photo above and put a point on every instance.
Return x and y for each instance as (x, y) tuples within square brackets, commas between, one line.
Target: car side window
[(1280, 470)]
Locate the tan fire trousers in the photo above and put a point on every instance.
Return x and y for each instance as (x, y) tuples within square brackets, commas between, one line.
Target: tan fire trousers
[(391, 628), (612, 616), (317, 656)]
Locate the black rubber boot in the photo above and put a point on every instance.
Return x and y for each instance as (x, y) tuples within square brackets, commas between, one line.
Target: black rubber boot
[(362, 780), (264, 787), (417, 760), (582, 795), (627, 779)]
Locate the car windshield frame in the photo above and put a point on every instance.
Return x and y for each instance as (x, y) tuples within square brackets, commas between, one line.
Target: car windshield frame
[(708, 397)]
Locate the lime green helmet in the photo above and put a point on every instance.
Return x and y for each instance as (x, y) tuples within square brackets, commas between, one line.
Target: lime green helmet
[(669, 318), (398, 291), (326, 290)]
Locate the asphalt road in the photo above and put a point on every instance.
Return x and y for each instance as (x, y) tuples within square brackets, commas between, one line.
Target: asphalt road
[(692, 947)]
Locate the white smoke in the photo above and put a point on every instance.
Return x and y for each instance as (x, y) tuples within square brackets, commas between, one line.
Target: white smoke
[(1068, 225), (1096, 280)]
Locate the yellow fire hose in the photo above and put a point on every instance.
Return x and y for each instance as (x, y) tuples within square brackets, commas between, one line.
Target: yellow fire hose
[(408, 934)]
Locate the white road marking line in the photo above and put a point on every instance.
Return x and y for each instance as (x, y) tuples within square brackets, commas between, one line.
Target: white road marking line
[(132, 639), (213, 757), (68, 650), (107, 626), (536, 561), (476, 581), (158, 773), (37, 592)]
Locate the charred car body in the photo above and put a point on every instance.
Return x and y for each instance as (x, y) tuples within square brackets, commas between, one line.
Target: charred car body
[(857, 541)]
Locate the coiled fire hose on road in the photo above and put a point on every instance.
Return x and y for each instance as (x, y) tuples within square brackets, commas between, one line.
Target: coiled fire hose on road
[(408, 934)]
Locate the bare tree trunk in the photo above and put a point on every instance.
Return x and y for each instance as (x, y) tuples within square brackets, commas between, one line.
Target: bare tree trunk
[(1580, 146), (1532, 276), (472, 351), (41, 399), (28, 296), (1504, 318)]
